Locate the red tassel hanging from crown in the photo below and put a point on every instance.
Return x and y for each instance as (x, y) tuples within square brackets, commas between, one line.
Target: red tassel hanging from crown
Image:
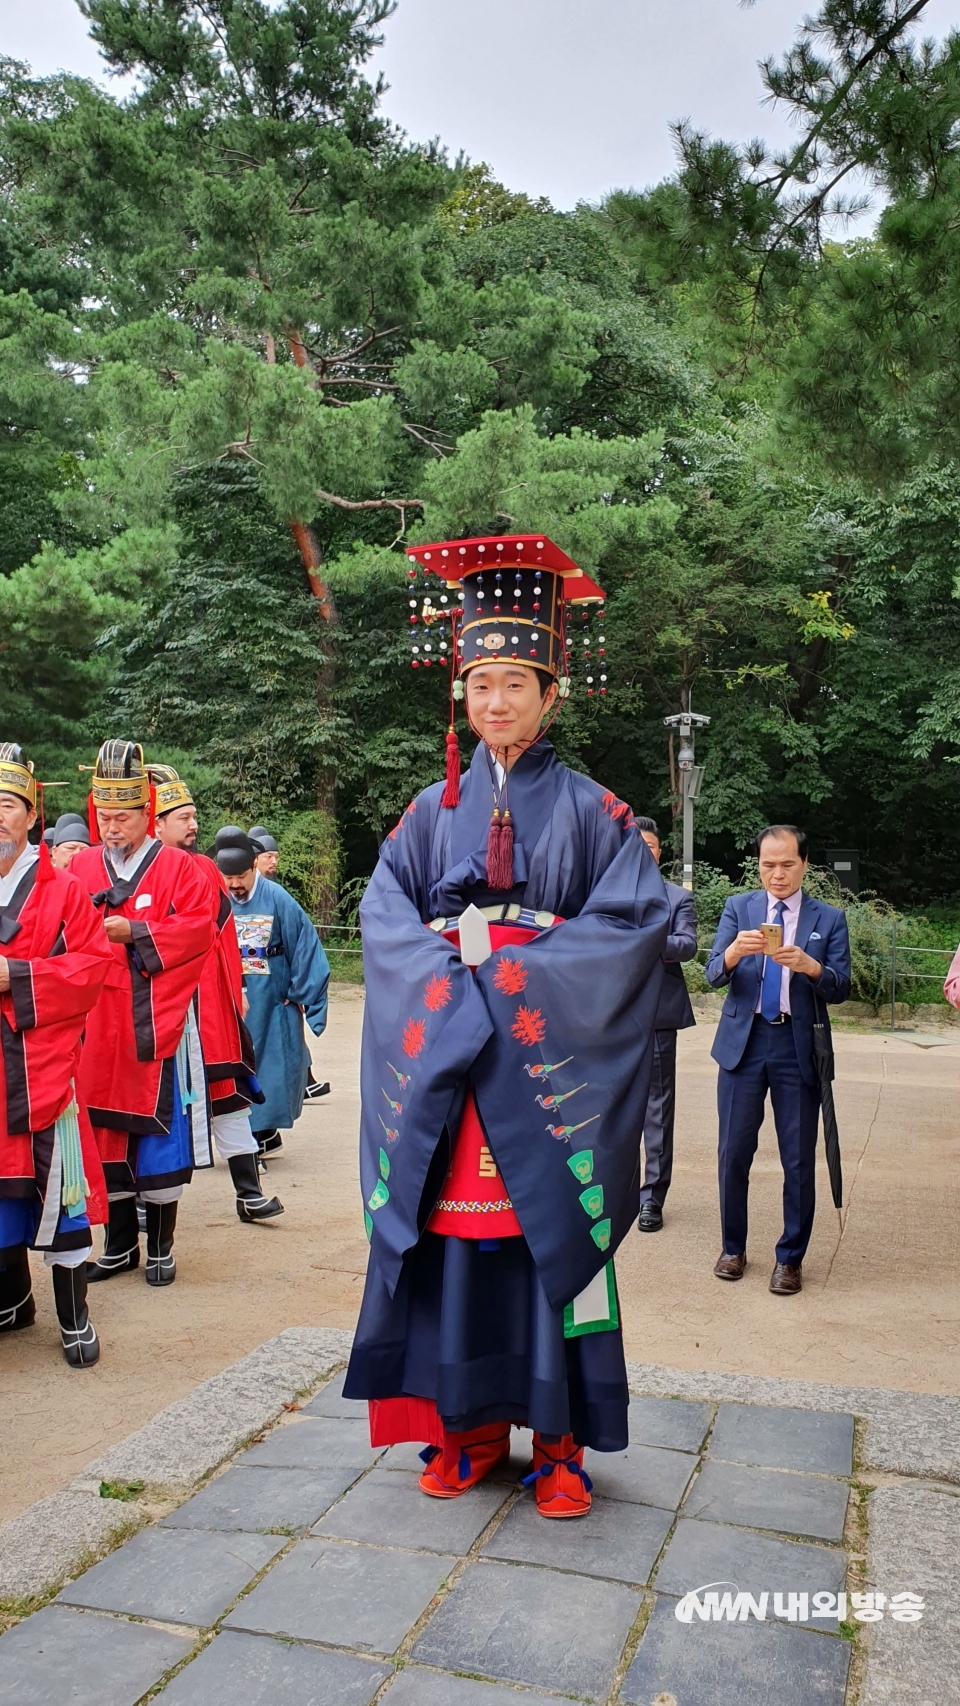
[(451, 792), (500, 850), (152, 818), (92, 821)]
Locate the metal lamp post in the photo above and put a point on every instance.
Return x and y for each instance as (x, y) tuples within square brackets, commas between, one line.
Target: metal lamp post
[(691, 778)]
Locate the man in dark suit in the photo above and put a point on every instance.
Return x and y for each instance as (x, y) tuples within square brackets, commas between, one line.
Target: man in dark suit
[(764, 1042), (674, 1014)]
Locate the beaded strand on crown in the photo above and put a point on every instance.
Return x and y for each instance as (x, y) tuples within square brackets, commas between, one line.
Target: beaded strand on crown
[(502, 600)]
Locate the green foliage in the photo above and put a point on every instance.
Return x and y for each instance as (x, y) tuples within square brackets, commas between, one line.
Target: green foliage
[(479, 201), (310, 861), (236, 298)]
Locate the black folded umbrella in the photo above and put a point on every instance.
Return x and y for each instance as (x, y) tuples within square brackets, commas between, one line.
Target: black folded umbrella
[(823, 1060)]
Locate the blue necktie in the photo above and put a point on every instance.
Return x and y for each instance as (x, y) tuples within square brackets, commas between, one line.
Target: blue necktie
[(772, 975)]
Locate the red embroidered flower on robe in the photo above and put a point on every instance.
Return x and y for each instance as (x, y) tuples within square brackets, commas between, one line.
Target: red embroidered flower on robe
[(616, 808), (437, 993), (414, 1036), (510, 977), (529, 1026)]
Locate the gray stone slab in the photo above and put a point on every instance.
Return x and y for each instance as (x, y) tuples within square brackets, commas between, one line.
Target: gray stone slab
[(289, 1500), (915, 1548), (518, 1624), (407, 1456), (330, 1401), (318, 1443), (388, 1509), (58, 1655), (643, 1474), (913, 1433), (702, 1553), (416, 1687), (349, 1596), (199, 1431), (735, 1664), (44, 1545), (670, 1422), (810, 1505), (783, 1439), (619, 1542), (174, 1576), (253, 1670)]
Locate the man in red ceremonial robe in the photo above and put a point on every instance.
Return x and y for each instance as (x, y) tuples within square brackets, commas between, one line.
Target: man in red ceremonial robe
[(54, 958), (226, 1044), (141, 1070)]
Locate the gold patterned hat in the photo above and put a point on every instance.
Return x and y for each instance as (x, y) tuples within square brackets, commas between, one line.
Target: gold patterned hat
[(16, 774), (120, 777), (172, 791)]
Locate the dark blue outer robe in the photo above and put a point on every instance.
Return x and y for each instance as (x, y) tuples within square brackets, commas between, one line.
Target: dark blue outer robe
[(591, 992)]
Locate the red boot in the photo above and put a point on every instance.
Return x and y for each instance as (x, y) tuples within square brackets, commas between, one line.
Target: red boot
[(463, 1460), (562, 1484)]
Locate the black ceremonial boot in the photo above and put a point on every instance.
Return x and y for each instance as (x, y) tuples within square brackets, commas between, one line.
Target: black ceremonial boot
[(81, 1347), (161, 1224), (268, 1141), (17, 1308), (251, 1202), (121, 1252)]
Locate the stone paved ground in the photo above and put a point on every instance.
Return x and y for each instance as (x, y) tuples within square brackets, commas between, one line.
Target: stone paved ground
[(312, 1571)]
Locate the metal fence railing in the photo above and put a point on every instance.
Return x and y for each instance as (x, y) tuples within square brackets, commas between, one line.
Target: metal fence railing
[(900, 973), (340, 938), (345, 939)]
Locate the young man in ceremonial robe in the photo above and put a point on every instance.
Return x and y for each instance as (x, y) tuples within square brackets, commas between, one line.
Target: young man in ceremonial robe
[(285, 974), (513, 934), (54, 958), (141, 1070), (226, 1044)]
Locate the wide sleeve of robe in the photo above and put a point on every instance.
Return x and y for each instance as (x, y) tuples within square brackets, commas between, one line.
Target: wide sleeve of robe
[(309, 969), (581, 998)]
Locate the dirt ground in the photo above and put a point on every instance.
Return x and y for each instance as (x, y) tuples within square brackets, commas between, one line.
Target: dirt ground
[(881, 1304)]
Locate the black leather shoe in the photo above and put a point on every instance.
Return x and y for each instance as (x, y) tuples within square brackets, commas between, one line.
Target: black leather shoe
[(268, 1142), (121, 1251), (313, 1092), (651, 1218), (81, 1347), (252, 1205), (17, 1308), (161, 1225)]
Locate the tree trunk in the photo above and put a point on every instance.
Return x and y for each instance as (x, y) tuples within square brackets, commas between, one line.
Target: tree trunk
[(312, 560)]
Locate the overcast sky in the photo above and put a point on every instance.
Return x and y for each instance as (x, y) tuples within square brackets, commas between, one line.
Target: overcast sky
[(564, 98)]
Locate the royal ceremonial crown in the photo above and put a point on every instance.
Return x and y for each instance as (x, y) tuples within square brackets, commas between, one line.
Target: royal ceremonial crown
[(16, 774), (120, 777), (512, 596), (171, 790)]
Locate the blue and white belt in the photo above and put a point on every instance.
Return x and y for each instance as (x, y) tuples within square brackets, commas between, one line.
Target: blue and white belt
[(502, 914)]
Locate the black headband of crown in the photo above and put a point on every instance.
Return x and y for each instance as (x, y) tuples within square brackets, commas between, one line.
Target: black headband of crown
[(510, 604)]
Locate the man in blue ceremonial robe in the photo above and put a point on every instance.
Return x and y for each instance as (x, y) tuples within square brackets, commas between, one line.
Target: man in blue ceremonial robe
[(513, 934), (285, 977)]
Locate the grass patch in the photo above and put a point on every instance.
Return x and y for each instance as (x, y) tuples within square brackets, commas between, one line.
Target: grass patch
[(126, 1491)]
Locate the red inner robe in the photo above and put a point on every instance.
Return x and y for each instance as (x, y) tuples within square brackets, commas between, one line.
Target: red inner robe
[(138, 1021)]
